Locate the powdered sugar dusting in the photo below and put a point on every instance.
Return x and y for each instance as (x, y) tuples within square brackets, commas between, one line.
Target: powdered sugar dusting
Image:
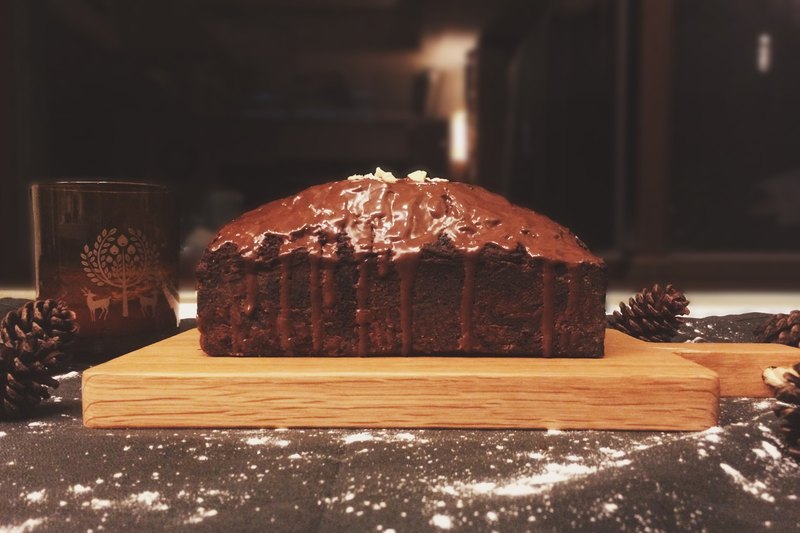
[(262, 441), (441, 521), (201, 514), (525, 485), (552, 474), (36, 496), (358, 437), (100, 503), (28, 525), (80, 489), (148, 499), (771, 450), (756, 488), (382, 436)]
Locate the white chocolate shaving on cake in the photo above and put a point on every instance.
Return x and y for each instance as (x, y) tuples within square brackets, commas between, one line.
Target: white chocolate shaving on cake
[(418, 176), (385, 176), (378, 175)]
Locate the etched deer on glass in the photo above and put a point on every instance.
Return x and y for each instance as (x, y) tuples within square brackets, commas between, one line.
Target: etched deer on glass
[(148, 303), (94, 304)]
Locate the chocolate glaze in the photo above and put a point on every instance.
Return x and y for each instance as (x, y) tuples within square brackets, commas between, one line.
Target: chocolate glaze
[(401, 217), (393, 222)]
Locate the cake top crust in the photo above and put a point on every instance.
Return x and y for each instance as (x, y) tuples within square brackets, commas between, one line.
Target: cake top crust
[(381, 214)]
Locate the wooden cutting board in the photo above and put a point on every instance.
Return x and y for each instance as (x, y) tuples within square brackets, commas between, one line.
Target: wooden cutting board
[(174, 384), (739, 365)]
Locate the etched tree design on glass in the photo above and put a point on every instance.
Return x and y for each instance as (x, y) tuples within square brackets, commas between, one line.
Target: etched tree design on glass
[(120, 261)]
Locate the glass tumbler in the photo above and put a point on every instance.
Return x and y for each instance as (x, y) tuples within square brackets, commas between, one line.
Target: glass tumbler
[(110, 251)]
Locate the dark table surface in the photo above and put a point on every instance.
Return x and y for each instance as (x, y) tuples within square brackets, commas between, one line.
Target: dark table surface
[(56, 475)]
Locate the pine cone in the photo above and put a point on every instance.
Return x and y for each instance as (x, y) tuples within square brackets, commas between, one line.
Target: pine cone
[(43, 319), (781, 329), (24, 380), (785, 383), (31, 352), (652, 314)]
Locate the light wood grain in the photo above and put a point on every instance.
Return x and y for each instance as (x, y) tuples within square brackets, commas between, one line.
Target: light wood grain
[(739, 365), (173, 384)]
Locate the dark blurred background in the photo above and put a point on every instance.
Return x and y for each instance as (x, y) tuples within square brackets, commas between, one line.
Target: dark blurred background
[(665, 133)]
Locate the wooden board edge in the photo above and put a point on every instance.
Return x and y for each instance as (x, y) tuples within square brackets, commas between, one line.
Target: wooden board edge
[(740, 374), (739, 365), (699, 406)]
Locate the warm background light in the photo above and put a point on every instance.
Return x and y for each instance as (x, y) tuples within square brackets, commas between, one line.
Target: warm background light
[(458, 137)]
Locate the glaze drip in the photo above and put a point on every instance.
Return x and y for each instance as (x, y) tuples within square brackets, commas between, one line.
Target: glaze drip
[(315, 293), (236, 329), (574, 299), (285, 315), (467, 301), (251, 291), (384, 261), (548, 309), (329, 286), (362, 311), (407, 269)]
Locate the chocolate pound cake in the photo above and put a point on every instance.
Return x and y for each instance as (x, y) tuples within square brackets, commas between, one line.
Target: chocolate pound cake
[(375, 265)]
